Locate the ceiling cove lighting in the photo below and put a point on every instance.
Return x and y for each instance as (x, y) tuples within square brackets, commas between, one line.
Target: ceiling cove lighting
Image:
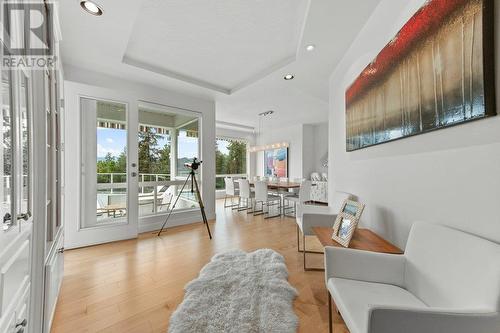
[(255, 149), (289, 77), (310, 47), (277, 145), (91, 7)]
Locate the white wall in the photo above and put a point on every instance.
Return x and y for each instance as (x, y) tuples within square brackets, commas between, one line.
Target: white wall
[(450, 176), (308, 150), (96, 85), (314, 148), (292, 135)]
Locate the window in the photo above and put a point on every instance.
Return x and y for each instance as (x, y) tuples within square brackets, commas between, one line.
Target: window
[(167, 139), (154, 166), (230, 159), (187, 146)]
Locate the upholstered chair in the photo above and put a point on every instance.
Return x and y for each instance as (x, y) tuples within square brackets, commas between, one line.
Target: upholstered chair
[(231, 192), (245, 195), (300, 198), (447, 281), (263, 197), (309, 216)]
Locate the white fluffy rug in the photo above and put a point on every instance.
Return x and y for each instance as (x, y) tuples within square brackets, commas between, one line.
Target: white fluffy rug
[(238, 292)]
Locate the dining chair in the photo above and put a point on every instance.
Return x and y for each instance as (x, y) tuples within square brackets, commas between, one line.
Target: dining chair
[(300, 198), (263, 197), (231, 192), (309, 216), (245, 195)]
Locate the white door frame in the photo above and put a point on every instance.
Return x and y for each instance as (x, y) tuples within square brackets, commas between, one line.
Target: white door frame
[(75, 236)]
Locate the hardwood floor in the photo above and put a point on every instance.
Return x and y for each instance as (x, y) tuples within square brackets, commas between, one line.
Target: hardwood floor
[(135, 285)]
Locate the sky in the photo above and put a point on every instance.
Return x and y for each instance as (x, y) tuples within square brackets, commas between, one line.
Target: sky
[(114, 141), (222, 145)]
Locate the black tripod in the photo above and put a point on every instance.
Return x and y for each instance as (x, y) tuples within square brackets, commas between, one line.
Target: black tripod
[(194, 189)]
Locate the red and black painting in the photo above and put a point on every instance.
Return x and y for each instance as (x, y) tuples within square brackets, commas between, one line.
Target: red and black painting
[(436, 72)]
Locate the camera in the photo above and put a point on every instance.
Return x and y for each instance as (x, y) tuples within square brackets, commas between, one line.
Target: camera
[(193, 165)]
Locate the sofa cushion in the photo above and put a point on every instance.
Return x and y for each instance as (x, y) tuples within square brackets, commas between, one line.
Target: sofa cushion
[(354, 298), (452, 269)]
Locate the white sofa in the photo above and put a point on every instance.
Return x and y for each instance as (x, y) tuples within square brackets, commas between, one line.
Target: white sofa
[(447, 281)]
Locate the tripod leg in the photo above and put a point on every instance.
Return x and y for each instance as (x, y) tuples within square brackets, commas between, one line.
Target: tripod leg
[(202, 208), (175, 203)]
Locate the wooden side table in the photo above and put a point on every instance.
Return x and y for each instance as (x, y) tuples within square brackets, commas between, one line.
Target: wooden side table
[(363, 239)]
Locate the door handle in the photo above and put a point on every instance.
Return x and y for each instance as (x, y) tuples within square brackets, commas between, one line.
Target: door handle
[(7, 218), (134, 174), (20, 326), (24, 216)]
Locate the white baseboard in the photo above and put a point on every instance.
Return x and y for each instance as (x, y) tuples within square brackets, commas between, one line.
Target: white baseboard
[(153, 223)]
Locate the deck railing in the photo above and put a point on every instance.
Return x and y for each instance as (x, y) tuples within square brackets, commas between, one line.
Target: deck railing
[(118, 180), (152, 197)]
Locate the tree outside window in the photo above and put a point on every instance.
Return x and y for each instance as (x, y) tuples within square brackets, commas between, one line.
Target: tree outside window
[(230, 159)]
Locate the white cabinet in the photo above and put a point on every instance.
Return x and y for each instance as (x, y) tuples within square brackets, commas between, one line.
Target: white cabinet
[(54, 270), (15, 268)]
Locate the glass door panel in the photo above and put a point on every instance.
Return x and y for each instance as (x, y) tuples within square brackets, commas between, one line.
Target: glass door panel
[(167, 139), (6, 154), (25, 207), (104, 156), (188, 147), (154, 148)]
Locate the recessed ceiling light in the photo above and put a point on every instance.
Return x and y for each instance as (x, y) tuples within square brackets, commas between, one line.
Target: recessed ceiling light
[(289, 77), (91, 7), (310, 47)]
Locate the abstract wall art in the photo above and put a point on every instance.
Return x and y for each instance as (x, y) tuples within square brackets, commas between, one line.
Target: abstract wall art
[(438, 71), (276, 162)]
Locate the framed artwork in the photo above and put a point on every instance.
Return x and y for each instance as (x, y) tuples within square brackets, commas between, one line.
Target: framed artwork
[(276, 162), (347, 221), (438, 71)]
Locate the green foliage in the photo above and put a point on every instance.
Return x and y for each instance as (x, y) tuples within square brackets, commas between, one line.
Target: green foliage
[(152, 159), (232, 163), (156, 160)]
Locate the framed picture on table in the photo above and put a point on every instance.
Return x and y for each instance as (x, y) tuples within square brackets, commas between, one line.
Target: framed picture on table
[(347, 221)]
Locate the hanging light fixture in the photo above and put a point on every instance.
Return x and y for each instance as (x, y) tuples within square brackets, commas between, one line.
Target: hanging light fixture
[(277, 145)]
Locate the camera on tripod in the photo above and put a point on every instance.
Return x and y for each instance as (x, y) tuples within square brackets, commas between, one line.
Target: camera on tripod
[(194, 189), (193, 165)]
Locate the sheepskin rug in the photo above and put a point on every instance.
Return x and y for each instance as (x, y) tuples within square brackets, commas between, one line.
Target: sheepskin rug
[(238, 292)]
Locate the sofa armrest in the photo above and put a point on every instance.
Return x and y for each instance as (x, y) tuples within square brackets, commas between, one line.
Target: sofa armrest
[(429, 320), (364, 266)]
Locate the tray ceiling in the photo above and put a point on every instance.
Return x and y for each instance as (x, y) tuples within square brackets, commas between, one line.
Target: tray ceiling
[(212, 43)]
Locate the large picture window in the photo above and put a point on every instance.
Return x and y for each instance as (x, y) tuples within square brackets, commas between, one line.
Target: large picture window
[(230, 159)]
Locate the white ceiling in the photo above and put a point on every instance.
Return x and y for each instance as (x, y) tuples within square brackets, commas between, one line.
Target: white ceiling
[(235, 52), (219, 44)]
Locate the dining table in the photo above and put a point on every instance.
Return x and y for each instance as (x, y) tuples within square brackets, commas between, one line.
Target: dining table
[(282, 189)]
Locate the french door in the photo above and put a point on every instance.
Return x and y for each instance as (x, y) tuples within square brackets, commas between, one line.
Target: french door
[(16, 198), (108, 173), (132, 155)]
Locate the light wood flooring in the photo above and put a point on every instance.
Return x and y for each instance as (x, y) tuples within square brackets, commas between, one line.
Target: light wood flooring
[(135, 285)]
